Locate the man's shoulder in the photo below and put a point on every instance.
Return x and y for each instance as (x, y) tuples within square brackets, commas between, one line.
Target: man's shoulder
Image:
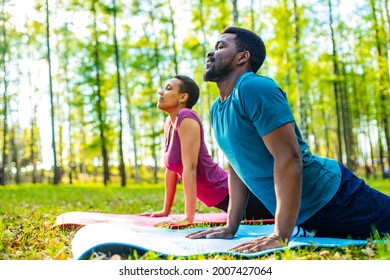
[(254, 86), (256, 80), (215, 103)]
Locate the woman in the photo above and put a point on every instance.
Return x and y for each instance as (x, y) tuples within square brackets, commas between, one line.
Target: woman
[(186, 157)]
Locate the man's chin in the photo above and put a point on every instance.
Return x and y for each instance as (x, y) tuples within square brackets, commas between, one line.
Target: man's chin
[(209, 77)]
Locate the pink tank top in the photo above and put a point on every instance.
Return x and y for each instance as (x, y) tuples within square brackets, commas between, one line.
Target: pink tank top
[(211, 179)]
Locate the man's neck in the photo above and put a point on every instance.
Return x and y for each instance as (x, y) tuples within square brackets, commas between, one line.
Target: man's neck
[(226, 85)]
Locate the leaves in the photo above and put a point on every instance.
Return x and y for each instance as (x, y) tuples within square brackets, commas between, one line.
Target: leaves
[(300, 59)]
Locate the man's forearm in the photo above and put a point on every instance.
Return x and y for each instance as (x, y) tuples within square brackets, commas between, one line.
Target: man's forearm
[(288, 189), (239, 193)]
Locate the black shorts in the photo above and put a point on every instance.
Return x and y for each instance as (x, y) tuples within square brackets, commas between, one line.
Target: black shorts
[(356, 211)]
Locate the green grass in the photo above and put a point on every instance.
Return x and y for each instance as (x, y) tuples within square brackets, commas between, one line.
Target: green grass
[(28, 212)]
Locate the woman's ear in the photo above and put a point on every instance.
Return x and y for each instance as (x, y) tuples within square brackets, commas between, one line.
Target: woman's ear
[(184, 97)]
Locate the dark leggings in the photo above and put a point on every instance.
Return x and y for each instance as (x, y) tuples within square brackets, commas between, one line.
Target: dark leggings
[(255, 210), (354, 211)]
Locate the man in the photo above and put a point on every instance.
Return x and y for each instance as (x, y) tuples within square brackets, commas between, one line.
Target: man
[(255, 128)]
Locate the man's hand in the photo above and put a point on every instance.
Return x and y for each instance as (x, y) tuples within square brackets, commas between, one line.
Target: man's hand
[(260, 244), (221, 232)]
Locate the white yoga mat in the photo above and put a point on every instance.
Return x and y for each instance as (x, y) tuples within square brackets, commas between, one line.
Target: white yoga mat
[(116, 238)]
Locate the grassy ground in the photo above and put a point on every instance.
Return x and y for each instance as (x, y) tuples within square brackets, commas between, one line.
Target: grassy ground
[(28, 212)]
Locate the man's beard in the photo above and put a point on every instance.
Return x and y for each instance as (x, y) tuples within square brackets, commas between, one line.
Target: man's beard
[(216, 73), (211, 75)]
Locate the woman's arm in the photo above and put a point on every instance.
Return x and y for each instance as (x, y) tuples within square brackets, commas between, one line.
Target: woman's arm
[(170, 191), (189, 133)]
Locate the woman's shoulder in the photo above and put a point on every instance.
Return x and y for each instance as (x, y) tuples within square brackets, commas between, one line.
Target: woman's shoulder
[(185, 112)]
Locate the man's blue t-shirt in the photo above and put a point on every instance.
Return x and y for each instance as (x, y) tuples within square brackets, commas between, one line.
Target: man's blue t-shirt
[(256, 107)]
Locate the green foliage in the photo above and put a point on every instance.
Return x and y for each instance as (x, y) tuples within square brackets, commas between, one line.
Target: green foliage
[(158, 38)]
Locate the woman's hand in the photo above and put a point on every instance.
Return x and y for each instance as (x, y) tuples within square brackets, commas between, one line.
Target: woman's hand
[(176, 222), (155, 214)]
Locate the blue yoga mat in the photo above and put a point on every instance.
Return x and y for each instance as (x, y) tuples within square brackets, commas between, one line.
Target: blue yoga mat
[(116, 239)]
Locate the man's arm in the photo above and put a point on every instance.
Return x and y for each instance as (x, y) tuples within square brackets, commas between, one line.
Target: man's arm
[(239, 194), (238, 200), (284, 147)]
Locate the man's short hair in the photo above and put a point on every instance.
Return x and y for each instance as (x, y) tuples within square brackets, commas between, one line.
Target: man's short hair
[(247, 40)]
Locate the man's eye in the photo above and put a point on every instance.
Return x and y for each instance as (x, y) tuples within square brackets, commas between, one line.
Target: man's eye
[(218, 46)]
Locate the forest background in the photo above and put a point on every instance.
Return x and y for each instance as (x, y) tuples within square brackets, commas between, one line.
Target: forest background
[(79, 80)]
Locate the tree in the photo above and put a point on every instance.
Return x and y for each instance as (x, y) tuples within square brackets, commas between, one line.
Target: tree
[(99, 105), (336, 83), (118, 80), (57, 176), (383, 90), (108, 58), (303, 95), (4, 53), (130, 108), (172, 34), (235, 12)]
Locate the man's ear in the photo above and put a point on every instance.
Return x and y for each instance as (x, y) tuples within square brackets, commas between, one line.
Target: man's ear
[(243, 57)]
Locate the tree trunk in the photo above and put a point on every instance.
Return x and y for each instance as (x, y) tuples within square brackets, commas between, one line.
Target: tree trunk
[(252, 13), (122, 171), (33, 155), (4, 159), (156, 56), (347, 126), (100, 101), (303, 99), (33, 119), (15, 154), (173, 35), (131, 121), (154, 144), (214, 150), (56, 179), (69, 99), (336, 85), (383, 117), (132, 126), (235, 13)]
